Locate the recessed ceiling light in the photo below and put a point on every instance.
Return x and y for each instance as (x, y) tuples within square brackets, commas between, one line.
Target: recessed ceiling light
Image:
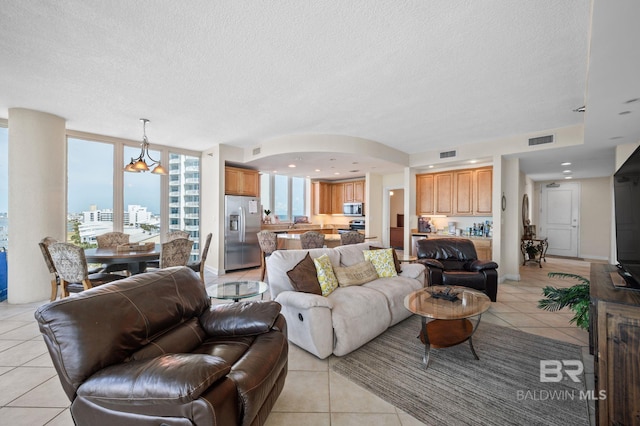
[(566, 163), (566, 172), (473, 161), (275, 171), (354, 171), (317, 170), (332, 159), (355, 162), (431, 166), (568, 177), (336, 173), (292, 165)]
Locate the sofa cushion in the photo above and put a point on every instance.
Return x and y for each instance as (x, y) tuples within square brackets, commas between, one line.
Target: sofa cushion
[(357, 274), (304, 276), (282, 261), (396, 261), (351, 254), (383, 261), (326, 277)]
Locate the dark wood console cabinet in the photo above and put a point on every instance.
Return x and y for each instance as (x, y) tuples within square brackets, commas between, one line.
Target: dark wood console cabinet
[(615, 343)]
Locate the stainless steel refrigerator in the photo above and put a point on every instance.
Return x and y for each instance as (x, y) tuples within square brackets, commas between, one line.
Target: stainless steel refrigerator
[(242, 223)]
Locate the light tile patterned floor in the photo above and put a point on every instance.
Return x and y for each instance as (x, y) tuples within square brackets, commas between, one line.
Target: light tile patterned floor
[(30, 393)]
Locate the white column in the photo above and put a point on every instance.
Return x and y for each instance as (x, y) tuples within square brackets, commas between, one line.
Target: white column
[(37, 199)]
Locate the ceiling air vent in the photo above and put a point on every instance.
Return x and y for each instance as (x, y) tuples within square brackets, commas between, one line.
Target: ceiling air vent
[(256, 151), (541, 140), (448, 154)]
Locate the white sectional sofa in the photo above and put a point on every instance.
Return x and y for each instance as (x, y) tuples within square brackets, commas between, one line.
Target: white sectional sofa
[(348, 317)]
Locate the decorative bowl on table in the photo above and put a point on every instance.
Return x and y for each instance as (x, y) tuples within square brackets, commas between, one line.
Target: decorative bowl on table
[(447, 294)]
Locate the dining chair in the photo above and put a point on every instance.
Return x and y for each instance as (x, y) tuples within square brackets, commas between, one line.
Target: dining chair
[(174, 235), (268, 244), (200, 264), (113, 239), (71, 266), (312, 239), (351, 237), (175, 253)]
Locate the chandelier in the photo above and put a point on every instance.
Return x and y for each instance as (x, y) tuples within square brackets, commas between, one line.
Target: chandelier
[(139, 164)]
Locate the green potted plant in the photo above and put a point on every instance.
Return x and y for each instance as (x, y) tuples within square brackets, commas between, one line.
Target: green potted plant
[(531, 249), (575, 297)]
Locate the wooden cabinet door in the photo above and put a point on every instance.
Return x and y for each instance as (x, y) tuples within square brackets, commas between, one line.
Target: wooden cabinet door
[(358, 191), (483, 192), (463, 190), (241, 182), (444, 193), (424, 194), (232, 181), (337, 198), (348, 192), (321, 198)]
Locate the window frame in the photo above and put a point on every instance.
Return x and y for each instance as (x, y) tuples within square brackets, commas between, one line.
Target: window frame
[(271, 198)]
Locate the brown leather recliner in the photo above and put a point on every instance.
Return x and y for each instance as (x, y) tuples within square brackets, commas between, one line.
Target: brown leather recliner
[(454, 261), (150, 350)]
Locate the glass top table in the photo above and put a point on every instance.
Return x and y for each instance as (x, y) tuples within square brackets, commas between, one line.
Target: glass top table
[(236, 290), (449, 325)]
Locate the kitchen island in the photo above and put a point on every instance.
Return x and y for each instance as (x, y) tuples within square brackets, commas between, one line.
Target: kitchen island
[(292, 241)]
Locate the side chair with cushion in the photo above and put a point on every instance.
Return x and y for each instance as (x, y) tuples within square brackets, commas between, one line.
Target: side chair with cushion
[(55, 279), (268, 244), (312, 239), (175, 253), (110, 240), (454, 261), (351, 237), (174, 235), (71, 266), (199, 266)]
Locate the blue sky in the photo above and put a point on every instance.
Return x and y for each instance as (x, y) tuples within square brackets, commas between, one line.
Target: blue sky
[(90, 177)]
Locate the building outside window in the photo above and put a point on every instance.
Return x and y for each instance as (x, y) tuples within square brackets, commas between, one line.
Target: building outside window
[(184, 198)]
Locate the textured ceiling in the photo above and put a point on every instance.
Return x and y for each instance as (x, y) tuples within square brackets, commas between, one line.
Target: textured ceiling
[(413, 75)]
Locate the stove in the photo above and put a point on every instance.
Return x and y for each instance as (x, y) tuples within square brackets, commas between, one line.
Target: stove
[(354, 225)]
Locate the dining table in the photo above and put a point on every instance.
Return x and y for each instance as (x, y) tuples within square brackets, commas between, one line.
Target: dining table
[(135, 259)]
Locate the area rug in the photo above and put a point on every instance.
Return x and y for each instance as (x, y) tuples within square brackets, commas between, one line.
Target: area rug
[(502, 388)]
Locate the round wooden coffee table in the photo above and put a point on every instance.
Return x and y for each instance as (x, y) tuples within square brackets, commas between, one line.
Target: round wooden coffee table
[(450, 324)]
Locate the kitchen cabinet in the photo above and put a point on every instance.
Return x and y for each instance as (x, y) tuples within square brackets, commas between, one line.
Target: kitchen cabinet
[(614, 322), (337, 198), (239, 181), (483, 192), (321, 197), (463, 193), (424, 194), (444, 193), (353, 191), (467, 192)]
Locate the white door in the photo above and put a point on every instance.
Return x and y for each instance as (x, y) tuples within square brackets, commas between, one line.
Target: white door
[(560, 218)]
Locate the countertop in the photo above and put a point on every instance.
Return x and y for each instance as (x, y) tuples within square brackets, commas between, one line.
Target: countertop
[(441, 235)]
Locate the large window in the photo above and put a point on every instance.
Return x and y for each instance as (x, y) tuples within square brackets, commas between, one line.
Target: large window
[(4, 188), (285, 196), (103, 198), (89, 190), (141, 202)]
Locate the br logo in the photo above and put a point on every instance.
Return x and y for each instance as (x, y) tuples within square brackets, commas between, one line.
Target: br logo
[(553, 370)]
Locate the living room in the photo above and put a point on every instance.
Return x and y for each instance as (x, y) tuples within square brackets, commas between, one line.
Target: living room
[(598, 77)]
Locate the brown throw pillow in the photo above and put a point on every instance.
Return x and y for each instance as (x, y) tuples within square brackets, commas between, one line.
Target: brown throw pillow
[(395, 257), (357, 274), (304, 276)]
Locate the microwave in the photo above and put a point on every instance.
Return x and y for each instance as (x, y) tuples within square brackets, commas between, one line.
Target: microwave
[(353, 209)]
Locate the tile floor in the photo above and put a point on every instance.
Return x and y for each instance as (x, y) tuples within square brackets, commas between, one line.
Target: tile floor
[(30, 393)]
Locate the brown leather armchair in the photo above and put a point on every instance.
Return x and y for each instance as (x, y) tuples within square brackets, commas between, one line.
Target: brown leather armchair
[(453, 261), (150, 349)]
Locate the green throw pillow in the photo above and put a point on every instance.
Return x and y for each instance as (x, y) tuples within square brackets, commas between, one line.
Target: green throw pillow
[(383, 262), (326, 277)]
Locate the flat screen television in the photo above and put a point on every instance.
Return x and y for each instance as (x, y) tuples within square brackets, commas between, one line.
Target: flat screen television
[(627, 212)]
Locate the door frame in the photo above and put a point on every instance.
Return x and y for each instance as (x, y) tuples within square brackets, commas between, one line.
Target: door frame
[(574, 186)]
